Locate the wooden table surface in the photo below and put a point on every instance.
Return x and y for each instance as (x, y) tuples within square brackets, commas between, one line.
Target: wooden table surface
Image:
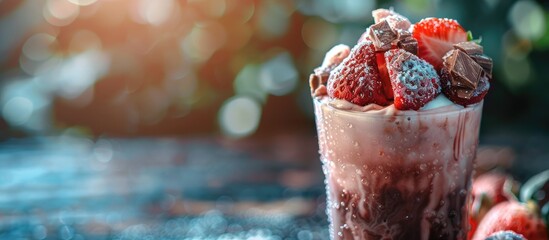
[(199, 188)]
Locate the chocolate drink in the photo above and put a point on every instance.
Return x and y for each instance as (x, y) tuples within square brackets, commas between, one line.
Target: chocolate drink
[(394, 174)]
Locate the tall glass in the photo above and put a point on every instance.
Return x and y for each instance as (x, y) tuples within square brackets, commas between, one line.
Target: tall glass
[(397, 174)]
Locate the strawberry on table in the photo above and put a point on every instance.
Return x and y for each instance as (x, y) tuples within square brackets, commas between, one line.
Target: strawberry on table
[(513, 216), (414, 81), (488, 190), (436, 36), (357, 79)]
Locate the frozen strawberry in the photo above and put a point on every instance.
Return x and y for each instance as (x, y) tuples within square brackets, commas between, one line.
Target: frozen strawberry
[(384, 75), (488, 190), (456, 95), (357, 79), (436, 36), (414, 81), (513, 216), (505, 235)]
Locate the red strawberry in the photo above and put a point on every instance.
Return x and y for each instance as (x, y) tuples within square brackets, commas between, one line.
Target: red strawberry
[(478, 94), (436, 36), (384, 75), (357, 79), (414, 80), (488, 190), (513, 216)]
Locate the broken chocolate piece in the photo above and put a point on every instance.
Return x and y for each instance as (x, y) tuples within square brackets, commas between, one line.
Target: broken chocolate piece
[(469, 47), (485, 62), (403, 34), (408, 44), (463, 92), (464, 71), (382, 35)]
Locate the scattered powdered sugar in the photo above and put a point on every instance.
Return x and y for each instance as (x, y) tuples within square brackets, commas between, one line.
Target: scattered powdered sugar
[(483, 85), (413, 70)]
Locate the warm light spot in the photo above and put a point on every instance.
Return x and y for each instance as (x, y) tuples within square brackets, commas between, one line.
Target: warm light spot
[(240, 36), (517, 72), (155, 12), (83, 2), (17, 111), (204, 40), (60, 12), (80, 72), (28, 65), (274, 20), (318, 34), (244, 12), (84, 40), (239, 116), (515, 47), (246, 83), (37, 47), (212, 8), (279, 76), (527, 19)]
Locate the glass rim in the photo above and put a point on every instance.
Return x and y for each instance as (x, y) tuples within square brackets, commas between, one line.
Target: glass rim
[(398, 113)]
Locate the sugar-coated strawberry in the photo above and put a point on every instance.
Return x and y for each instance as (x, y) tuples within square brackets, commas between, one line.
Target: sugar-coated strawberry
[(357, 79), (513, 216), (436, 36), (414, 81), (384, 75), (395, 20), (488, 190), (478, 94), (505, 235)]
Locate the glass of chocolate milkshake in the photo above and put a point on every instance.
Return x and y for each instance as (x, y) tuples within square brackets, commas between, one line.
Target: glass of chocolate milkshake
[(398, 130)]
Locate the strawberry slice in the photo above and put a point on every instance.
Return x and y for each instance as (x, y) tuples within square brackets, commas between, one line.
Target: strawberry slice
[(436, 36), (357, 79), (384, 75), (513, 216), (414, 80)]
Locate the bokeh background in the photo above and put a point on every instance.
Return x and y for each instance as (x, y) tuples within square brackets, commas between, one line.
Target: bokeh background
[(127, 68)]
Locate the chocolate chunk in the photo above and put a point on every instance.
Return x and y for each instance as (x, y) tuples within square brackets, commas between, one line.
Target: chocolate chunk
[(485, 62), (464, 71), (469, 47), (464, 93), (409, 44), (403, 34), (382, 35)]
